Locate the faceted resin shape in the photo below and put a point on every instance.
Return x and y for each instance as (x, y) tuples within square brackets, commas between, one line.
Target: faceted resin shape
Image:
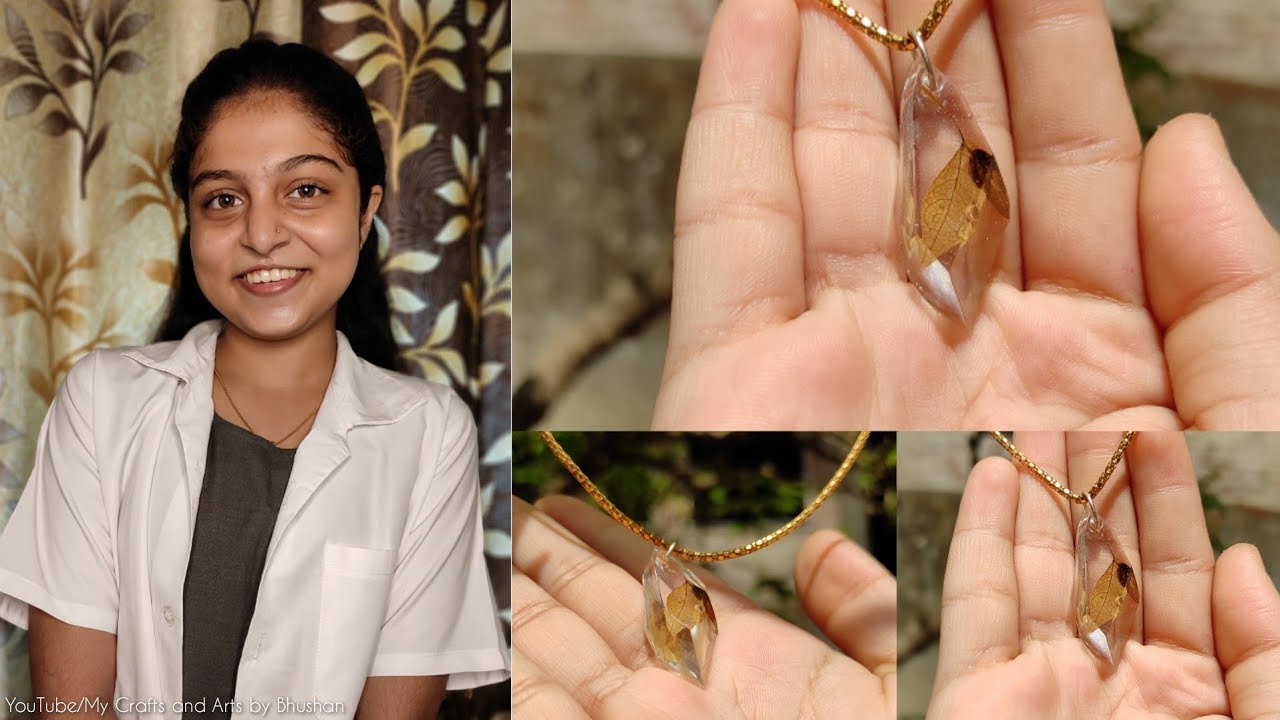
[(1107, 594), (951, 196), (678, 619)]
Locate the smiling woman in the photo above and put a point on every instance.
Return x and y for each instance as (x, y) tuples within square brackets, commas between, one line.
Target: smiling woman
[(269, 187), (258, 510)]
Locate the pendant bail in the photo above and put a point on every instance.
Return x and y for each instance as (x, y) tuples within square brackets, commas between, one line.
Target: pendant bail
[(670, 548), (1095, 520), (931, 75)]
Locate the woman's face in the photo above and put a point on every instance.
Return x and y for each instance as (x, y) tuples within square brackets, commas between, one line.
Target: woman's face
[(275, 217)]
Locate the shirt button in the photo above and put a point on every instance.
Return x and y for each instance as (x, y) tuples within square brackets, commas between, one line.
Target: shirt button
[(169, 616)]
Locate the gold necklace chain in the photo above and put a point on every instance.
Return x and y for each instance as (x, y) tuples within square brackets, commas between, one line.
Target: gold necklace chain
[(884, 35), (1063, 490), (246, 422), (694, 555)]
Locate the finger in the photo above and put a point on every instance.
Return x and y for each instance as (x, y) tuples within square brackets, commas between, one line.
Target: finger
[(612, 540), (1141, 417), (535, 695), (1177, 558), (739, 255), (980, 592), (846, 147), (1246, 629), (1212, 264), (570, 653), (1044, 551), (1087, 455), (851, 598), (623, 548), (578, 577), (964, 50), (1077, 148)]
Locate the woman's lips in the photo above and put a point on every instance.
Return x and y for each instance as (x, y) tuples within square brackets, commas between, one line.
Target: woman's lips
[(267, 289)]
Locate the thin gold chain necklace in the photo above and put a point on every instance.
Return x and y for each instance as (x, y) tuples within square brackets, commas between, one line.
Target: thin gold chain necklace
[(882, 34), (952, 198), (1106, 590), (249, 427), (680, 623)]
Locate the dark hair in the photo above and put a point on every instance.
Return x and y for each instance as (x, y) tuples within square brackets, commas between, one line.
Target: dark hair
[(338, 104)]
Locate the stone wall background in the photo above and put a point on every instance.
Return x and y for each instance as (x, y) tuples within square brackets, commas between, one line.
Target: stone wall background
[(600, 109)]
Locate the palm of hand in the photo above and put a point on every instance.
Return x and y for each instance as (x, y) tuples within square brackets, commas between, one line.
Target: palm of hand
[(791, 307), (763, 668), (1059, 679), (842, 363)]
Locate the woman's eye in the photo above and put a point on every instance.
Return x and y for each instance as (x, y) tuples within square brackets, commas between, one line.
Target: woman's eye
[(307, 192), (222, 201)]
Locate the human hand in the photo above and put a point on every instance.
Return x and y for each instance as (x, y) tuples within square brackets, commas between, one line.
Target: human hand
[(580, 651), (1008, 647), (1134, 289)]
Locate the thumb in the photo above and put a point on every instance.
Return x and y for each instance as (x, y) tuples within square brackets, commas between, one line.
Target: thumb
[(850, 597), (1212, 267), (1246, 628)]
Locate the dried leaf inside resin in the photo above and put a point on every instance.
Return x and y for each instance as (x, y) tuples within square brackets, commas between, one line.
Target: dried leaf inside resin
[(686, 607), (956, 198), (986, 173), (666, 645), (1108, 594)]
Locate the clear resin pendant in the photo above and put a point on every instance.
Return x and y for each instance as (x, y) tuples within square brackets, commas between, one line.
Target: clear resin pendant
[(678, 619), (1107, 593), (951, 196)]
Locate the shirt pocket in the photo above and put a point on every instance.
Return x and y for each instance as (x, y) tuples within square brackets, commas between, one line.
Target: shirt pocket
[(353, 605)]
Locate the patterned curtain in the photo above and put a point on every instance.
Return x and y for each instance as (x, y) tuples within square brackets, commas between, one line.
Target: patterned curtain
[(90, 225)]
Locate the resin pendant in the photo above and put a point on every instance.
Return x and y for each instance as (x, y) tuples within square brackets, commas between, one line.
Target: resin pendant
[(952, 199), (678, 619), (1106, 590)]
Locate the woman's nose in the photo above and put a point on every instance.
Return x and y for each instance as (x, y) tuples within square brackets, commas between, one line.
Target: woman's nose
[(264, 229)]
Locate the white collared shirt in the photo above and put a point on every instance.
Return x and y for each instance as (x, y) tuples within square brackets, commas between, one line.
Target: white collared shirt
[(375, 565)]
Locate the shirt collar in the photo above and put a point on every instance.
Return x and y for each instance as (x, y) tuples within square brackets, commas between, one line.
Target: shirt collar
[(359, 393)]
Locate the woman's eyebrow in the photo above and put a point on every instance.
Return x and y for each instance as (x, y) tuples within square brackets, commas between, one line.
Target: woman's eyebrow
[(214, 175), (298, 161), (292, 163)]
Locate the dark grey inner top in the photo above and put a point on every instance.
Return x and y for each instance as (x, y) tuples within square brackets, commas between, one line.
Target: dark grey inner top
[(244, 482)]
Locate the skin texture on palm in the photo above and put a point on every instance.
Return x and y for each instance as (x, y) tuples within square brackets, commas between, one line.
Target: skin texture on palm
[(579, 647), (1008, 644), (1135, 290)]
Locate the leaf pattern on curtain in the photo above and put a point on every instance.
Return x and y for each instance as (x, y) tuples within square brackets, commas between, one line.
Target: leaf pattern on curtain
[(448, 203), (90, 223), (91, 50)]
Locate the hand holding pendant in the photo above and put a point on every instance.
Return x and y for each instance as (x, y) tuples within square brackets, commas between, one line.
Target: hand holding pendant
[(1154, 629), (579, 624), (1128, 288)]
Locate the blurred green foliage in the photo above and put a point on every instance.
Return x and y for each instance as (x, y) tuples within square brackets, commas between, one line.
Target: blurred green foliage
[(1213, 508), (734, 477), (1139, 66)]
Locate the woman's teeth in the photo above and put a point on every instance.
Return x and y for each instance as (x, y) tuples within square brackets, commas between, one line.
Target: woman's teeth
[(273, 275)]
